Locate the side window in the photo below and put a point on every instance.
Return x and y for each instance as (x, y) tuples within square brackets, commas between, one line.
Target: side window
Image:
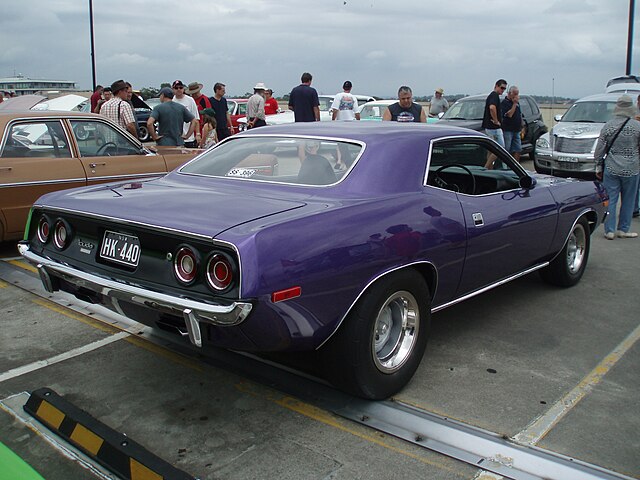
[(231, 106), (525, 107), (470, 167), (99, 139), (36, 139), (242, 109)]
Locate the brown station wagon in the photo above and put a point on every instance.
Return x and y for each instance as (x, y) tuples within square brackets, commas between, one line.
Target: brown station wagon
[(43, 151)]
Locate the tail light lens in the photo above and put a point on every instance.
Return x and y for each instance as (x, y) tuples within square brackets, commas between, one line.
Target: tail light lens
[(185, 265), (61, 234), (219, 272), (44, 229)]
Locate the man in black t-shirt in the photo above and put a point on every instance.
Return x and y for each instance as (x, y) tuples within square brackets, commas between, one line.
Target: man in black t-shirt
[(304, 102), (512, 122), (491, 120), (219, 105), (405, 109)]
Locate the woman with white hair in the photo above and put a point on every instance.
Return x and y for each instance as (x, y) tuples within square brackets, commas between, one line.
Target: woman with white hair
[(618, 164)]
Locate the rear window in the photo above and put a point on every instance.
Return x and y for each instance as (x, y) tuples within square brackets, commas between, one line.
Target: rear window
[(295, 161)]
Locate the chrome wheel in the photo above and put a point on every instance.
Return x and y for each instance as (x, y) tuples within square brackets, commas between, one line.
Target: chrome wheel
[(395, 331), (576, 248)]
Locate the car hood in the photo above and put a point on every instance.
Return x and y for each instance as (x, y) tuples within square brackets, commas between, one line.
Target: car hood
[(66, 103), (577, 129), (472, 124), (203, 209)]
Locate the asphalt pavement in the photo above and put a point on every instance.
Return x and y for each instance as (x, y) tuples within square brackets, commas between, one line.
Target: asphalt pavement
[(552, 368)]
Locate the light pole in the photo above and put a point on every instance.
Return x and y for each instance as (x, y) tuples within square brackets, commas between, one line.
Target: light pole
[(93, 55), (630, 37)]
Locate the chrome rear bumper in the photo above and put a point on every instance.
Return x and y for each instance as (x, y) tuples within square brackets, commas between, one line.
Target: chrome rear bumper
[(193, 312)]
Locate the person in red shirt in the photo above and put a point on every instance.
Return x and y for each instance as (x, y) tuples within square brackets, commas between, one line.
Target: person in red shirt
[(270, 103), (96, 97), (202, 101)]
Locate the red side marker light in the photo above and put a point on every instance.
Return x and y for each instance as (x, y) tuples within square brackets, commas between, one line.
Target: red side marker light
[(286, 294)]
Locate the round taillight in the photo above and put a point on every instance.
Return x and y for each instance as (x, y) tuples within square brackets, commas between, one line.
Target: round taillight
[(185, 265), (61, 235), (219, 272), (43, 229)]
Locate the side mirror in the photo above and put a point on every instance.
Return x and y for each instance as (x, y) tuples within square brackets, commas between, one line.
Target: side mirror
[(527, 182), (557, 117), (441, 114)]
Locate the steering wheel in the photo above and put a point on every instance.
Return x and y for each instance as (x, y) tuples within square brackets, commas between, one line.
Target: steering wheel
[(103, 147), (441, 182)]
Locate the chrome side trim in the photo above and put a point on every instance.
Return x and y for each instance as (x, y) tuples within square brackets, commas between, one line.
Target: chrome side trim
[(375, 279), (122, 177), (489, 287), (44, 182), (582, 214), (194, 311)]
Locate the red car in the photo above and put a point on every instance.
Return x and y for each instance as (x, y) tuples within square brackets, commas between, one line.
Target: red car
[(237, 109)]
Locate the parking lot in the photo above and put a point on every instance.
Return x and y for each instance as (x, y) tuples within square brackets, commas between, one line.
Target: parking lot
[(555, 369)]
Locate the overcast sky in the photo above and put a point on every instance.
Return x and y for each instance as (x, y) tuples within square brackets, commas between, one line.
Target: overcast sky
[(570, 47)]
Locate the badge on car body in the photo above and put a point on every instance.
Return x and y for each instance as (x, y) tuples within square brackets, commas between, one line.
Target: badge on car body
[(85, 247)]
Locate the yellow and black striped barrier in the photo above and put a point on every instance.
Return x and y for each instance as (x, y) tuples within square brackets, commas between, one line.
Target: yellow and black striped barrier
[(113, 450)]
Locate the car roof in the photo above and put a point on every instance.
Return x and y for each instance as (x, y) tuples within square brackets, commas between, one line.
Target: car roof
[(601, 97), (381, 102), (368, 132), (10, 114)]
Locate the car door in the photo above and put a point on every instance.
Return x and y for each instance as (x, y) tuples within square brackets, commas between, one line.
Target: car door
[(108, 154), (36, 158), (509, 229)]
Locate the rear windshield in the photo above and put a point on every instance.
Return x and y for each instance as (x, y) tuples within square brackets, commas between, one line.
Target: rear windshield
[(589, 112), (296, 161)]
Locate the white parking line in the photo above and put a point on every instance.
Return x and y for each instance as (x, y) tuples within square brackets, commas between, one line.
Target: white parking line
[(16, 372)]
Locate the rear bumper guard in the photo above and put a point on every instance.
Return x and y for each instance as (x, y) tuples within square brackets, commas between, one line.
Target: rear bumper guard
[(193, 312)]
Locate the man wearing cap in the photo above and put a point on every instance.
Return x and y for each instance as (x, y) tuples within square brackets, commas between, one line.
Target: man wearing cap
[(255, 107), (270, 104), (304, 102), (438, 103), (171, 116), (345, 105), (119, 110), (192, 140)]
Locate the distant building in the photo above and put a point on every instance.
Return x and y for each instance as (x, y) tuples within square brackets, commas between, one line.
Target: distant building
[(22, 85)]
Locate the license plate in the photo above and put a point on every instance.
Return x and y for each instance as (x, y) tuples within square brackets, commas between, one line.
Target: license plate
[(120, 248), (568, 159)]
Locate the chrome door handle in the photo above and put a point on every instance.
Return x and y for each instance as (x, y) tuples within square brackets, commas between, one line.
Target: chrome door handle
[(94, 165), (6, 169)]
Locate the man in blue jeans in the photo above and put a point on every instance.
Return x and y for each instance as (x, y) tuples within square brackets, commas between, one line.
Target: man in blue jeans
[(491, 119), (512, 122)]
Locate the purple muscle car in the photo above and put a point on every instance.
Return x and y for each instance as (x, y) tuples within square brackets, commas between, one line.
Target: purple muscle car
[(341, 238)]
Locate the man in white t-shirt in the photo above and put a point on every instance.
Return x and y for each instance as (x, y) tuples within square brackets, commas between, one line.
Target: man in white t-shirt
[(189, 103), (345, 105)]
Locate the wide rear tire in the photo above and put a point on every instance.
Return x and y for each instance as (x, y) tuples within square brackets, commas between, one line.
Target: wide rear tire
[(380, 345), (567, 268)]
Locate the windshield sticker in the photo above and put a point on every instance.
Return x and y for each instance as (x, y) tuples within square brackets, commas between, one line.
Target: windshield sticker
[(241, 172)]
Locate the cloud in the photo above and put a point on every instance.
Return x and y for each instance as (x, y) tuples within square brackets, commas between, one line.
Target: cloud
[(376, 55)]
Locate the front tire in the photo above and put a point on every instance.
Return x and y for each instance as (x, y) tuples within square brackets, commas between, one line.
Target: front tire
[(381, 343), (567, 268)]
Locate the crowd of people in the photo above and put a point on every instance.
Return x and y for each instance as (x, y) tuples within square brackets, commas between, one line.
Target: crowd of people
[(186, 117)]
